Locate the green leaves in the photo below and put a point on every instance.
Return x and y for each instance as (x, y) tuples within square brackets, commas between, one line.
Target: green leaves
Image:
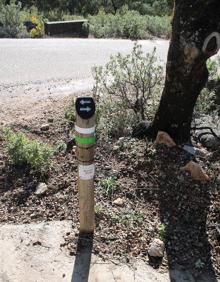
[(25, 152), (127, 90), (12, 19)]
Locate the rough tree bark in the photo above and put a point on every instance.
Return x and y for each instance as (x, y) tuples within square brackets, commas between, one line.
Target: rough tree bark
[(195, 38)]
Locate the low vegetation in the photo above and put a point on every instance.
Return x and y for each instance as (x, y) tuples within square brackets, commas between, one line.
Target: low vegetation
[(206, 103), (109, 186), (129, 24), (127, 20), (11, 20), (127, 90), (24, 152)]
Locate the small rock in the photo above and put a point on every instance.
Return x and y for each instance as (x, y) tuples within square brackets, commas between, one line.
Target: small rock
[(116, 148), (196, 171), (33, 215), (50, 120), (164, 138), (37, 243), (156, 248), (121, 140), (45, 127), (118, 202), (115, 173), (41, 189), (190, 149), (205, 136)]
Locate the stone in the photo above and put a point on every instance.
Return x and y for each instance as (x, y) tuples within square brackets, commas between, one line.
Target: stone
[(156, 248), (121, 140), (205, 136), (118, 202), (50, 120), (45, 127), (190, 149), (41, 189), (116, 148), (164, 138), (196, 171)]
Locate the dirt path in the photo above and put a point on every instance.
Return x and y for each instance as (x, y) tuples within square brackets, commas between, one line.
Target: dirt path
[(22, 102), (34, 252)]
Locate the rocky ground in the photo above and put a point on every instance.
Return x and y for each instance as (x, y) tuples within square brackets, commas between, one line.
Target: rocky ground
[(140, 193)]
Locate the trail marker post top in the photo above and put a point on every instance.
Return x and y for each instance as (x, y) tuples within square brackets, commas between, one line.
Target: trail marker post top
[(85, 107)]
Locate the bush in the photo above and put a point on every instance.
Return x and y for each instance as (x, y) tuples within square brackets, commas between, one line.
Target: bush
[(127, 90), (70, 113), (128, 24), (122, 25), (60, 15), (109, 186), (205, 101), (25, 152), (212, 66), (159, 26), (11, 19), (38, 31)]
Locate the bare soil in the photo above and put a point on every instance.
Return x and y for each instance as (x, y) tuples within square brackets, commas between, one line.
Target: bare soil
[(155, 191)]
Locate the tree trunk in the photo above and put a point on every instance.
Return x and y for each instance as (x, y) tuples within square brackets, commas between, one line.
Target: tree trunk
[(114, 6), (195, 38)]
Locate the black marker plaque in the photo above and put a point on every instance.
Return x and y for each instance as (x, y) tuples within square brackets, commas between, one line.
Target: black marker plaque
[(85, 107)]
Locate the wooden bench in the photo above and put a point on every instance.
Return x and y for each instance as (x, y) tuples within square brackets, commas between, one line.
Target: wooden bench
[(76, 28)]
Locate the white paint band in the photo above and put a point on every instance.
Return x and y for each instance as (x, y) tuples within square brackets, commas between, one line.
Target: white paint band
[(85, 130), (86, 172)]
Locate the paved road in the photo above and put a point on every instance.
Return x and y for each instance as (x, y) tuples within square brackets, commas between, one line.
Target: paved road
[(33, 253), (38, 74), (26, 60)]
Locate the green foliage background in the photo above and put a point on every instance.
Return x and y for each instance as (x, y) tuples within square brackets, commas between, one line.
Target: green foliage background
[(83, 7)]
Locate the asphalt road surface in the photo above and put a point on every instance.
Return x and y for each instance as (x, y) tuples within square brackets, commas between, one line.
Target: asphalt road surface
[(31, 60), (37, 75)]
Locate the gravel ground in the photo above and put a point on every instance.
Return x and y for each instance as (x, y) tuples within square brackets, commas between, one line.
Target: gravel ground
[(155, 194)]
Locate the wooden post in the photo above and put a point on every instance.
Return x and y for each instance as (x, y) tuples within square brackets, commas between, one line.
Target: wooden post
[(85, 140)]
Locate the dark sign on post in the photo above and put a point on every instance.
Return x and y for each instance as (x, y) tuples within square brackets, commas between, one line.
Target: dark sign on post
[(85, 107)]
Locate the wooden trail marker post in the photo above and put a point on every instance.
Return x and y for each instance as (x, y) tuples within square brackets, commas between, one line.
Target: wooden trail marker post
[(85, 151)]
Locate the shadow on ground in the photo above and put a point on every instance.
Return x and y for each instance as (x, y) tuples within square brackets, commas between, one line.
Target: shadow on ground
[(83, 258), (184, 206)]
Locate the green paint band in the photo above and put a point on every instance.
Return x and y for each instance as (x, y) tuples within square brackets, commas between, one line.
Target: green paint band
[(85, 140)]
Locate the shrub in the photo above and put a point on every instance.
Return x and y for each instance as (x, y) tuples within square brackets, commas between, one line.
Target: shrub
[(127, 90), (212, 66), (205, 101), (70, 113), (128, 24), (109, 186), (129, 218), (99, 211), (25, 152), (54, 15), (159, 26), (162, 232), (38, 31), (11, 19), (113, 120), (207, 98)]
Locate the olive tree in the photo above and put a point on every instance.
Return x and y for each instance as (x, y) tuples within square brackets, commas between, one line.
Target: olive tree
[(195, 38)]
